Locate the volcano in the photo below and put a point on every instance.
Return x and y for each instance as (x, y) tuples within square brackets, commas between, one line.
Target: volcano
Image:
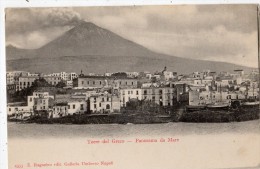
[(91, 48)]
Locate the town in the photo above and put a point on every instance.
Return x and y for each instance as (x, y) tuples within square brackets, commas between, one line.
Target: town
[(160, 94)]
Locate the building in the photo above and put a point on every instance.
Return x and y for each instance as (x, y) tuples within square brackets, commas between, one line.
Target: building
[(12, 76), (127, 94), (104, 103), (59, 110), (10, 89), (64, 76), (207, 97), (25, 82), (53, 80), (161, 96), (69, 104), (72, 76), (18, 108), (40, 101), (106, 81)]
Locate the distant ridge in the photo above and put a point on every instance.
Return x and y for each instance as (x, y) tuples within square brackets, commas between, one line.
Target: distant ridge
[(94, 49)]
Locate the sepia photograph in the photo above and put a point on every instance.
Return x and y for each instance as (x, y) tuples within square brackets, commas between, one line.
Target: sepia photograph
[(145, 87)]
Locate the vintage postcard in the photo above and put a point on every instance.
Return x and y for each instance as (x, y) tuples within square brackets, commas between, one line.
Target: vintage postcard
[(133, 87)]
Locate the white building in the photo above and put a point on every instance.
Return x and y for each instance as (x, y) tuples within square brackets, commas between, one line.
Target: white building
[(39, 101), (12, 76), (64, 76), (25, 82), (104, 103), (72, 76), (127, 94), (168, 75)]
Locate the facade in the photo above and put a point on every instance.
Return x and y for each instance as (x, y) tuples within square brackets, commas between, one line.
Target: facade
[(104, 103), (106, 81), (59, 110), (25, 82), (53, 80), (64, 76), (168, 75), (70, 104), (39, 101), (12, 77), (11, 89), (77, 106), (127, 94), (161, 96), (69, 84), (72, 76), (207, 97)]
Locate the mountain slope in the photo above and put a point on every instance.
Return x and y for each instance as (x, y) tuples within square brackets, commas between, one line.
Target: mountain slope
[(94, 49)]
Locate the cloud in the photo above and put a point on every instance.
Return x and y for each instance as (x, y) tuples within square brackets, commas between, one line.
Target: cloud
[(37, 38), (22, 20), (32, 27), (210, 32)]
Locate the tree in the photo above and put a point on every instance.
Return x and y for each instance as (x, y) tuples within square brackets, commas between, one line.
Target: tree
[(119, 74), (41, 82), (61, 84)]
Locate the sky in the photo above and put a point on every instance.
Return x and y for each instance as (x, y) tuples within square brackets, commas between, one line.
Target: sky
[(225, 33)]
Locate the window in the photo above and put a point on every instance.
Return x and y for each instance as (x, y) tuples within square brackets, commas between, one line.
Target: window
[(120, 82), (132, 83), (95, 106), (99, 104), (30, 99), (24, 83), (103, 99), (43, 107), (145, 92), (81, 107), (73, 106), (93, 82), (137, 92), (108, 99), (28, 83), (131, 92), (68, 106), (128, 92), (88, 82), (160, 91), (10, 109), (126, 82), (107, 106), (100, 83)]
